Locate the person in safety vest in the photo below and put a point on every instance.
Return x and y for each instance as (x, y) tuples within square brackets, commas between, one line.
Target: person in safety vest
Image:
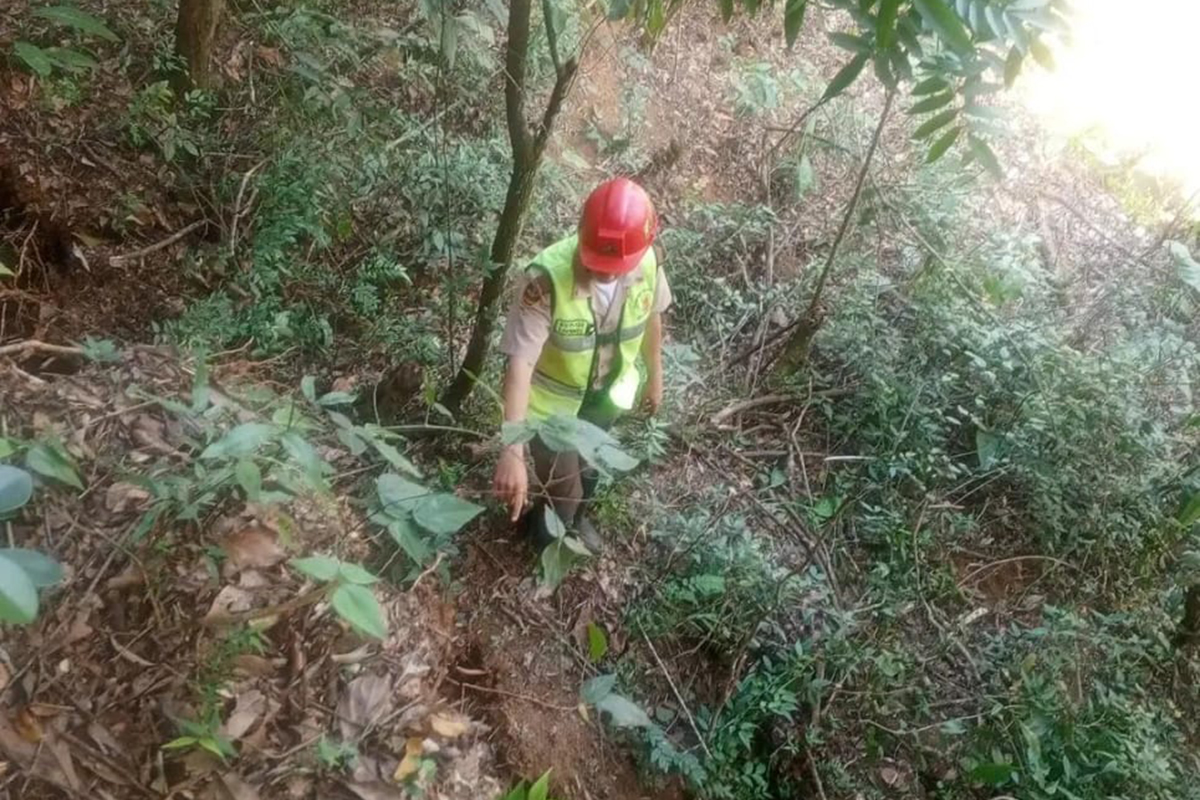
[(589, 306)]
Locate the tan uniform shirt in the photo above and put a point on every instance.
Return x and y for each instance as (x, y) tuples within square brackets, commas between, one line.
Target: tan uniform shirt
[(528, 325)]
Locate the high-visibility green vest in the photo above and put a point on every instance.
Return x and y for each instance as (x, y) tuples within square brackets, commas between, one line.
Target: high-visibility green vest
[(565, 368)]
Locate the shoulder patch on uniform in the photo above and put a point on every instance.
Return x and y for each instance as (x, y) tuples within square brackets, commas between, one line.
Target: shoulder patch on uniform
[(536, 289)]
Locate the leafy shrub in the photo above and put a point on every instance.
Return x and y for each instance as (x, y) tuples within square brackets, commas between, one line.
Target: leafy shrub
[(22, 572)]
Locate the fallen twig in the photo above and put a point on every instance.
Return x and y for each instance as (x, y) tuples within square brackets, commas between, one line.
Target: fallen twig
[(746, 405), (513, 695), (678, 696), (117, 261), (44, 347)]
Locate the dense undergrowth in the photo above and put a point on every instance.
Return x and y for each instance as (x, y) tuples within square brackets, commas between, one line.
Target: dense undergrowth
[(834, 635)]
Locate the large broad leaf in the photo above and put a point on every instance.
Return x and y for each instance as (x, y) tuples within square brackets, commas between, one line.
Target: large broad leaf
[(445, 513), (623, 713), (793, 19), (242, 441), (406, 534), (932, 103), (18, 596), (73, 61), (554, 523), (34, 57), (557, 559), (930, 86), (320, 568), (987, 448), (1189, 514), (398, 495), (541, 788), (74, 18), (50, 461), (994, 774), (358, 606), (307, 458), (935, 123), (41, 570), (1042, 54), (945, 23), (249, 477), (845, 76), (16, 487), (885, 24), (394, 457), (598, 688), (353, 573)]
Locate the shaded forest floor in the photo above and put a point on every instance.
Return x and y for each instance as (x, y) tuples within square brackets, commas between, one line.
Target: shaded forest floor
[(324, 224)]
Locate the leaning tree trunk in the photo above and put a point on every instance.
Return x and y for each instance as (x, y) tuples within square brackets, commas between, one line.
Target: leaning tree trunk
[(527, 149), (195, 31)]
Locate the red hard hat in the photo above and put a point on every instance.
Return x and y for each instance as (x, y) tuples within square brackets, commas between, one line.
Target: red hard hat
[(617, 227)]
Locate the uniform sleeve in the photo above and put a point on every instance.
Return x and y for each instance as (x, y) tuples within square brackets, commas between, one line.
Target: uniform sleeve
[(528, 325), (662, 292)]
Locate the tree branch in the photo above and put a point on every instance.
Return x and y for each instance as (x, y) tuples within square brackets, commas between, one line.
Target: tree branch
[(551, 35), (514, 79), (562, 85)]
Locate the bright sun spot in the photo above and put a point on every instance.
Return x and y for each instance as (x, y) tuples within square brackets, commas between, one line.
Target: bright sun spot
[(1127, 78)]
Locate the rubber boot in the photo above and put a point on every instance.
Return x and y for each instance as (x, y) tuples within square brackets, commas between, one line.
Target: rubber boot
[(535, 526)]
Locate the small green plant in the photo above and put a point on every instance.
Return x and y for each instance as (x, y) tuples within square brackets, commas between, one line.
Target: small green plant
[(540, 790), (46, 61), (155, 118), (335, 755), (345, 584), (204, 735), (22, 572)]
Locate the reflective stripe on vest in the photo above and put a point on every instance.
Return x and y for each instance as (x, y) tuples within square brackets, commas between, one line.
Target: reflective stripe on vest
[(562, 373)]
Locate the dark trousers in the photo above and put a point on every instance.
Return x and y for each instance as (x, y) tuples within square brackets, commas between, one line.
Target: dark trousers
[(565, 480)]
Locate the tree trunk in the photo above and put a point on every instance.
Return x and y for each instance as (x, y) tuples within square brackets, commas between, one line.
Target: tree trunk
[(527, 149), (195, 31), (1189, 627)]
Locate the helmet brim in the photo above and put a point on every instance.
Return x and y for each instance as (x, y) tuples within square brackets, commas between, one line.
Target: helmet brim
[(610, 265)]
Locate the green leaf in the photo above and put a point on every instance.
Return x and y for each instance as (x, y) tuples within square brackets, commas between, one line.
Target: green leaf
[(931, 103), (35, 58), (18, 595), (353, 573), (16, 487), (358, 606), (306, 456), (935, 123), (845, 76), (994, 774), (41, 570), (598, 688), (945, 23), (319, 568), (70, 60), (181, 743), (394, 457), (354, 443), (985, 156), (74, 18), (576, 546), (399, 495), (554, 523), (597, 642), (50, 461), (793, 18), (5, 272), (308, 387), (1042, 54), (336, 399), (1189, 513), (940, 147), (541, 789), (885, 23), (445, 513), (249, 477), (726, 10), (623, 713), (406, 534), (1012, 66), (930, 86), (618, 9), (241, 441), (846, 41), (516, 433), (557, 559)]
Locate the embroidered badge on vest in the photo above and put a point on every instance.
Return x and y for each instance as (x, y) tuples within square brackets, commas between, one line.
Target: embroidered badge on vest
[(573, 327)]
